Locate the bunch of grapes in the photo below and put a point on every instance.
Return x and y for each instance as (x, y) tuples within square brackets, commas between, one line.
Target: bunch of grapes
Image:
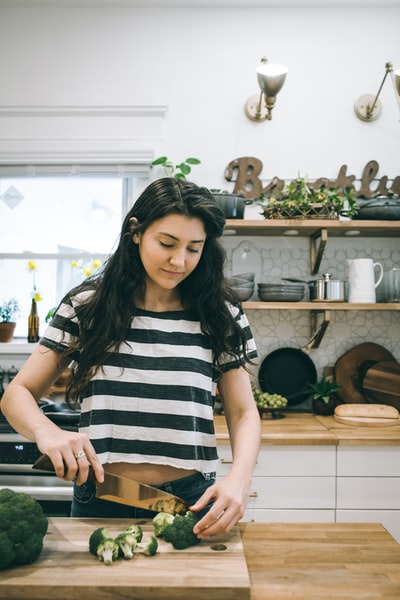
[(266, 400)]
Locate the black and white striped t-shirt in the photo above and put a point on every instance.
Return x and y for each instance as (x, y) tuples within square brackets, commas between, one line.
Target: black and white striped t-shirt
[(157, 408)]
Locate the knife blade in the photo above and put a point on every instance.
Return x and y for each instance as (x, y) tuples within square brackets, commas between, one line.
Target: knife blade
[(127, 491)]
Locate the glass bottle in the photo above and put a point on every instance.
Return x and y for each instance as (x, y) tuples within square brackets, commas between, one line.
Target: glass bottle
[(33, 323), (2, 373)]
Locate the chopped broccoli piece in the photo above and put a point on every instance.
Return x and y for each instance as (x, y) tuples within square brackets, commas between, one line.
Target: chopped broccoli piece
[(23, 525), (160, 521), (135, 530), (149, 546), (98, 536), (127, 543), (180, 532), (107, 551)]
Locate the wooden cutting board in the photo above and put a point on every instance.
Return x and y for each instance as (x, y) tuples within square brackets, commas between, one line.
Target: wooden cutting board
[(367, 421), (212, 570)]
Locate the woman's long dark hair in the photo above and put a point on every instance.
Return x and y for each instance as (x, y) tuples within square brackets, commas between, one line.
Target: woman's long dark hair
[(106, 317)]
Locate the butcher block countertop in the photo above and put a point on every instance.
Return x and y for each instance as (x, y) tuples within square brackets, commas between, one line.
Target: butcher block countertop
[(309, 429), (312, 561)]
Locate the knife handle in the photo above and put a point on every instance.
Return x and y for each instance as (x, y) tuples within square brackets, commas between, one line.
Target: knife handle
[(44, 464)]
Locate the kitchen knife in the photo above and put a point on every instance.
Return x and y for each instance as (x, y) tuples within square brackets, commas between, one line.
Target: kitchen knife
[(128, 491)]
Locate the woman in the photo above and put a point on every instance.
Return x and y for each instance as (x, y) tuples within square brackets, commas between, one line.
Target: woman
[(149, 338)]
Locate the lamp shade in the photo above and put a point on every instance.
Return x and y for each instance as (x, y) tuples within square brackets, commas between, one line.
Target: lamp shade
[(271, 78)]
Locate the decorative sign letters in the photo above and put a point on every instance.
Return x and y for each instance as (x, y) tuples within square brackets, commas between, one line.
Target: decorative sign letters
[(245, 172)]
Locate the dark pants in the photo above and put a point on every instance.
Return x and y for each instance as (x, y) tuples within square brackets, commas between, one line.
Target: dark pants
[(85, 504)]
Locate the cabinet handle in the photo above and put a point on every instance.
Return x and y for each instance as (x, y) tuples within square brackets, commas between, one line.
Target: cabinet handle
[(253, 495)]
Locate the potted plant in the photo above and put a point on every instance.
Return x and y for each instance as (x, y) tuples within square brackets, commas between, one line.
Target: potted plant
[(324, 400), (180, 171), (9, 311), (300, 200)]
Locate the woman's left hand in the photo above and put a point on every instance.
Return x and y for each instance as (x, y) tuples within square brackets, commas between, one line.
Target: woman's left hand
[(229, 500)]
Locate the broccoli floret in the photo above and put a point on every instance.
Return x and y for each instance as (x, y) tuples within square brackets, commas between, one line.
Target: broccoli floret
[(7, 551), (149, 546), (136, 531), (160, 521), (23, 525), (98, 536), (180, 532), (127, 543), (107, 551)]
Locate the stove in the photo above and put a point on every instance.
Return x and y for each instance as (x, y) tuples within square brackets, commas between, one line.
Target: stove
[(17, 455)]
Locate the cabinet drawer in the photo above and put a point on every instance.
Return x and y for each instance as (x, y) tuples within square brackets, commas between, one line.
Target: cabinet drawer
[(369, 461), (390, 519), (289, 516), (292, 492), (287, 460), (368, 492)]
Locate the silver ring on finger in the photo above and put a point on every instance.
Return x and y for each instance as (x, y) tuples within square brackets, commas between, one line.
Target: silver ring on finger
[(80, 454)]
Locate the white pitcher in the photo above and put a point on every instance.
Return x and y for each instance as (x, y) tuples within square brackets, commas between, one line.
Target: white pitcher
[(362, 282)]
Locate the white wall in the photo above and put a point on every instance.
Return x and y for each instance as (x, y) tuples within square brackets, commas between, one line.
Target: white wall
[(200, 64)]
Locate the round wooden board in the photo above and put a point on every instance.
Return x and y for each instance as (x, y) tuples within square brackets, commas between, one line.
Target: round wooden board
[(367, 421), (346, 370)]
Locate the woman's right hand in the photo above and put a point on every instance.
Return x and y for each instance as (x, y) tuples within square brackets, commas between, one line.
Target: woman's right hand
[(71, 454)]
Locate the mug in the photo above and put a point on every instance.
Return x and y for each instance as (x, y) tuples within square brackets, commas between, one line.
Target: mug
[(362, 282), (393, 285)]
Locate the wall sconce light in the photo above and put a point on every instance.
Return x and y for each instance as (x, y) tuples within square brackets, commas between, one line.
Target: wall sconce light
[(270, 79), (368, 107)]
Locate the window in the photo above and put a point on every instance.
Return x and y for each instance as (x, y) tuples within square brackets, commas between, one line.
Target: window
[(60, 225)]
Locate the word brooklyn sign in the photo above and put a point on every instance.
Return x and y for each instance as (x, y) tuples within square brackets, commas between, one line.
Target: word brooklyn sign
[(245, 173)]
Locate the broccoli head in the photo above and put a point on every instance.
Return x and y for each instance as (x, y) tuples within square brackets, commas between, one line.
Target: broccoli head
[(180, 532), (136, 531), (23, 525), (97, 536), (160, 521), (149, 546), (108, 551), (127, 543)]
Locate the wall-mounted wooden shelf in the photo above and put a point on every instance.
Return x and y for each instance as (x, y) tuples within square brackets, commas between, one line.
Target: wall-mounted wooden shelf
[(318, 230), (319, 306), (313, 227)]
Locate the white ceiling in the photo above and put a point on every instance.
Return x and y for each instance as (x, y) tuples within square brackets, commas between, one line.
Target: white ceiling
[(201, 3)]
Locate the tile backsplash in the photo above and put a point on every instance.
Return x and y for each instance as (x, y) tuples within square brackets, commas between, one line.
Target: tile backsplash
[(275, 257)]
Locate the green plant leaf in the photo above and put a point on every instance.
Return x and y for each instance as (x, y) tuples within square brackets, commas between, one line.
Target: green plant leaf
[(162, 160), (185, 169)]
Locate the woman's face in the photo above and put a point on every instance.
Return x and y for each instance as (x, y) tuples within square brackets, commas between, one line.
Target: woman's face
[(170, 249)]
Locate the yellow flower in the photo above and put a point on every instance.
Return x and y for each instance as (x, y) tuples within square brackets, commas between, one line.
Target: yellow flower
[(32, 268), (88, 268)]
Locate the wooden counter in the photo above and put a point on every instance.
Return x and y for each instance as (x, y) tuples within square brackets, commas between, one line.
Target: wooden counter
[(314, 561), (318, 561), (309, 429)]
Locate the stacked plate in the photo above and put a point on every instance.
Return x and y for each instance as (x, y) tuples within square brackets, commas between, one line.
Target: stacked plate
[(242, 285), (281, 292)]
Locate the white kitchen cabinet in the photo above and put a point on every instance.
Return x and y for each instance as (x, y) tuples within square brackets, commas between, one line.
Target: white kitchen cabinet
[(290, 483), (368, 485), (324, 484)]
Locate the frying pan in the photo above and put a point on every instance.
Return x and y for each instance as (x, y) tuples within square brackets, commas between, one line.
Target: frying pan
[(290, 371)]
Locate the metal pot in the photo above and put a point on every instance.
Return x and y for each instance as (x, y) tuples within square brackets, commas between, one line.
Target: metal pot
[(232, 205), (327, 289), (324, 290)]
